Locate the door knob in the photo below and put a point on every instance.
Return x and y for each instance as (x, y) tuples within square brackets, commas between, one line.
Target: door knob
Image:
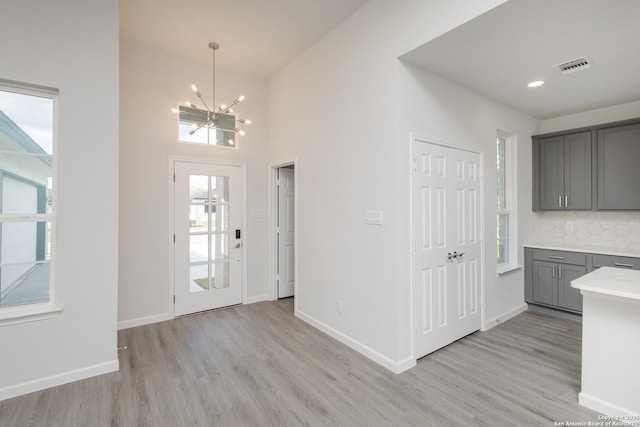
[(238, 245)]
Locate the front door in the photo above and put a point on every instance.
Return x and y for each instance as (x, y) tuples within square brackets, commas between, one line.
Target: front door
[(447, 263), (208, 236)]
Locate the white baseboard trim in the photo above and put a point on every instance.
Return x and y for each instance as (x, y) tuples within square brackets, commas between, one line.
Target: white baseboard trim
[(606, 408), (140, 321), (504, 317), (392, 365), (58, 379), (258, 298)]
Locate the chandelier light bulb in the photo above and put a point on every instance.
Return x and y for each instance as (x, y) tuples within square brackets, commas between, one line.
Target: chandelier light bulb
[(175, 110), (241, 98), (241, 132)]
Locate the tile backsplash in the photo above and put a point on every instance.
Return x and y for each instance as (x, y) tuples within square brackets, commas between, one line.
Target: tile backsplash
[(605, 229)]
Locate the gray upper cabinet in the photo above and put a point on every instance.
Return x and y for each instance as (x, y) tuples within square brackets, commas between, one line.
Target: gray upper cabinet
[(619, 167), (562, 172)]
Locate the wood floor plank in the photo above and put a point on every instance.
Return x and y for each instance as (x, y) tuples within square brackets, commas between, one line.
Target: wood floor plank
[(258, 365)]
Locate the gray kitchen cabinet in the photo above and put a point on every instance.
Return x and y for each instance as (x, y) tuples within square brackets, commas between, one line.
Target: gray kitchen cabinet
[(618, 167), (550, 276), (545, 290), (598, 261), (562, 169), (569, 298)]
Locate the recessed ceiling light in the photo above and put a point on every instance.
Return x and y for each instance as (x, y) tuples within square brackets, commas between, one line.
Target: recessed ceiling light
[(536, 83)]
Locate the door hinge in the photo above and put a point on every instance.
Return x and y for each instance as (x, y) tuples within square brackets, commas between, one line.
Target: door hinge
[(174, 177), (174, 238), (174, 299), (415, 164)]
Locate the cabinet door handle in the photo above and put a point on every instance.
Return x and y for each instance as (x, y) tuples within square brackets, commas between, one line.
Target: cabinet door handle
[(559, 272), (556, 257), (621, 264), (559, 201), (566, 201), (553, 271)]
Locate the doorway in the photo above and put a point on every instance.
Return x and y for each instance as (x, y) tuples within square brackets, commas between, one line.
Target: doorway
[(284, 231), (447, 267), (208, 236)]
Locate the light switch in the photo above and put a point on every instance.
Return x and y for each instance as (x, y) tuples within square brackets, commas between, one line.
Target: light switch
[(373, 217)]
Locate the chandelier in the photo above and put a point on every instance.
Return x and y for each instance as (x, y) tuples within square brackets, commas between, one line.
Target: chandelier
[(219, 119)]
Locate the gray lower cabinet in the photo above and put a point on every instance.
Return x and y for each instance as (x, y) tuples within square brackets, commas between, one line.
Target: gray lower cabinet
[(548, 274), (618, 171), (598, 261)]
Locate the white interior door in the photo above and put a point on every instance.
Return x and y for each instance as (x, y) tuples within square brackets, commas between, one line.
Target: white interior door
[(447, 245), (208, 245), (286, 232)]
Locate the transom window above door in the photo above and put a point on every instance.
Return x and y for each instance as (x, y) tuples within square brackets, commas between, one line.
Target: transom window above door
[(190, 129)]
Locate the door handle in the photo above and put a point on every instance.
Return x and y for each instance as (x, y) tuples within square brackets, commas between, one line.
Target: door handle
[(559, 272), (553, 271), (238, 245)]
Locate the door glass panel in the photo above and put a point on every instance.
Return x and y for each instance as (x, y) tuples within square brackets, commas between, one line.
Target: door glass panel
[(198, 218), (209, 239), (220, 189), (220, 275), (198, 248), (199, 188), (199, 278), (219, 218), (220, 246)]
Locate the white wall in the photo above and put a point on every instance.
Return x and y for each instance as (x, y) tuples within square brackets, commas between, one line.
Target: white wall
[(338, 108), (151, 83), (613, 113), (71, 45)]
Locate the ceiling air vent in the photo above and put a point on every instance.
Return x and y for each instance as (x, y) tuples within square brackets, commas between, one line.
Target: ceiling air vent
[(574, 65)]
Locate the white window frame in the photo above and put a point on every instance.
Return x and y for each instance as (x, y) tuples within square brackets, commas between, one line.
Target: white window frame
[(43, 310), (510, 209)]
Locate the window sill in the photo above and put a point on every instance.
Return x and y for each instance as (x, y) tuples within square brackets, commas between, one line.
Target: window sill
[(506, 268), (15, 315)]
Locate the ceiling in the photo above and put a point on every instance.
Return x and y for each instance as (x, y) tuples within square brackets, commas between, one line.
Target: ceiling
[(257, 37), (499, 52)]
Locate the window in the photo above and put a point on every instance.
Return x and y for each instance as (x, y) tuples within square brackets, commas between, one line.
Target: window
[(27, 211), (190, 128), (506, 232)]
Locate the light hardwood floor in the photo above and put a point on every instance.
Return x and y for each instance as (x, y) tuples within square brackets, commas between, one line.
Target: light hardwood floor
[(258, 365)]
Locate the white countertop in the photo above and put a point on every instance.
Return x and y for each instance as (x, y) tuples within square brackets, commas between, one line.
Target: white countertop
[(612, 281), (591, 249)]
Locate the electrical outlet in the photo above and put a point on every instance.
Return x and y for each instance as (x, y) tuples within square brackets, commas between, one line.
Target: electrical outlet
[(339, 306)]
